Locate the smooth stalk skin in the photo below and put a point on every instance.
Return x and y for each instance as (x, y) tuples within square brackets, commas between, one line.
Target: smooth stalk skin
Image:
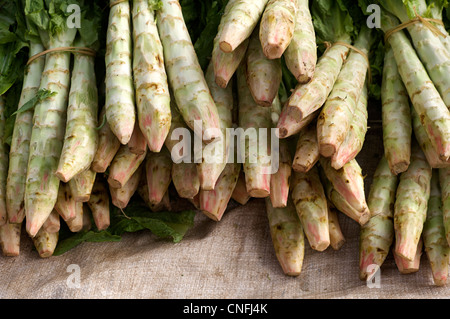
[(47, 136), (123, 166), (335, 118), (240, 193), (307, 149), (409, 266), (226, 64), (120, 197), (312, 208), (433, 112), (150, 78), (119, 87), (75, 225), (413, 193), (213, 203), (45, 243), (66, 206), (108, 145), (3, 164), (185, 179), (263, 75), (337, 238), (444, 181), (287, 236), (301, 54), (239, 20), (20, 141), (253, 117), (158, 170), (377, 235), (137, 142), (52, 223), (81, 136), (277, 27), (81, 185), (425, 143), (307, 99), (354, 141), (215, 154), (10, 239), (279, 181), (434, 239), (396, 116), (99, 204), (348, 182), (185, 75)]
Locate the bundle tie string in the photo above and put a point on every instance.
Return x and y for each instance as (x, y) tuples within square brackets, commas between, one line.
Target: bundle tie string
[(112, 4), (80, 50)]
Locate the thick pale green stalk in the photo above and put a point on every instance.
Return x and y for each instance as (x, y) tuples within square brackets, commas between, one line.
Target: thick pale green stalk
[(444, 180), (354, 141), (108, 145), (413, 193), (409, 266), (150, 78), (312, 208), (75, 225), (10, 239), (137, 142), (277, 27), (434, 239), (279, 181), (377, 235), (307, 151), (119, 94), (185, 75), (425, 143), (240, 193), (52, 223), (215, 154), (99, 204), (3, 164), (47, 135), (301, 54), (81, 185), (239, 21), (213, 203), (163, 205), (348, 182), (185, 179), (45, 243), (66, 206), (396, 116), (287, 237), (336, 116), (433, 112), (337, 239), (123, 166), (20, 142), (120, 197), (253, 117), (308, 98), (81, 136), (158, 170)]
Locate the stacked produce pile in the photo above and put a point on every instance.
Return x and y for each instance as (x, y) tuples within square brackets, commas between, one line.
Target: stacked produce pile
[(96, 145)]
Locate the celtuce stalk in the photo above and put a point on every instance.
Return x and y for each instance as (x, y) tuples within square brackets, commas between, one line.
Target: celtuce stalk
[(335, 118), (52, 223), (123, 166), (108, 145), (20, 141), (406, 266), (178, 147), (185, 179), (137, 142), (99, 204), (185, 75), (377, 235), (433, 112), (277, 27), (337, 239), (301, 54), (75, 225), (48, 130), (396, 116), (312, 208), (413, 193), (81, 185), (307, 150), (287, 237), (150, 78), (120, 197), (3, 164), (66, 206), (240, 193), (354, 141), (434, 239), (142, 190), (444, 181), (10, 239), (45, 243), (119, 94), (81, 136), (215, 154), (279, 181), (158, 170), (239, 21)]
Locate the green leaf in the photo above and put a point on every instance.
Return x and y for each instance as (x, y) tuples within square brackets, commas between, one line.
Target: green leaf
[(68, 243), (41, 95)]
